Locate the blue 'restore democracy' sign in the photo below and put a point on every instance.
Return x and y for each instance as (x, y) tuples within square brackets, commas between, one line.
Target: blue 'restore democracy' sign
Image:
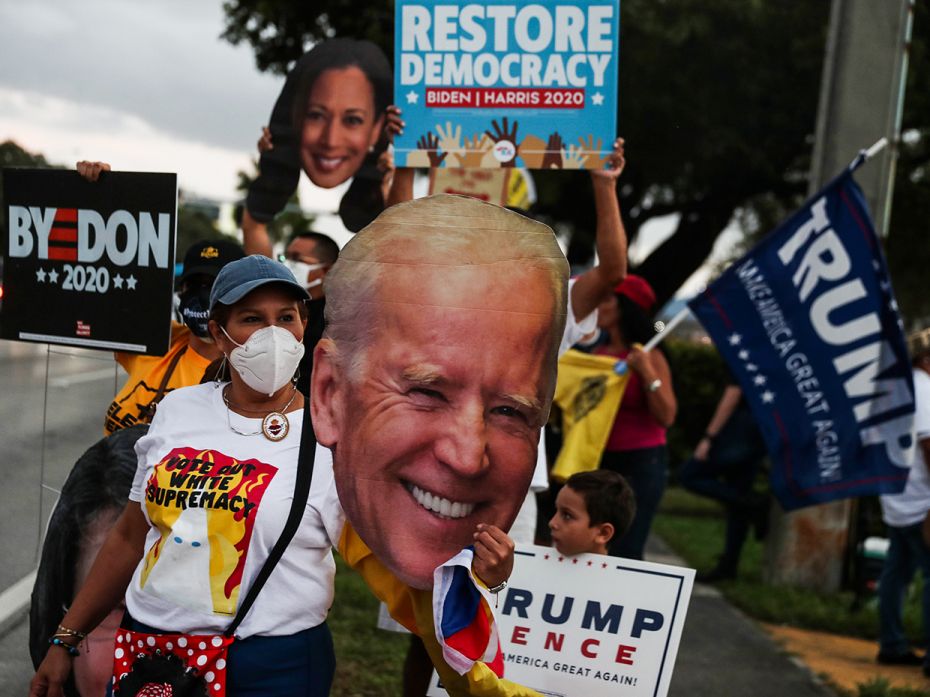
[(809, 326), (502, 84)]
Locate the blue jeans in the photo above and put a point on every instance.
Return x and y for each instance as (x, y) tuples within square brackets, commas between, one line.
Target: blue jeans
[(646, 470), (295, 665), (906, 553)]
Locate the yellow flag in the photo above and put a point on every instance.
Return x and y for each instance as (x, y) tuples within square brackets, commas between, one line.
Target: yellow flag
[(588, 392)]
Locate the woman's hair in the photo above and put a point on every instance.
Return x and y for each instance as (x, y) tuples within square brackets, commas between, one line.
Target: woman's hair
[(98, 485), (338, 54), (635, 324)]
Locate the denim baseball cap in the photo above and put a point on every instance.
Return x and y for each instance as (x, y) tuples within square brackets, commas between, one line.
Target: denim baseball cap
[(239, 278)]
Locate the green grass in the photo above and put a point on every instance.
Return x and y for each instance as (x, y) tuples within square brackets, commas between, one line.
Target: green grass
[(880, 687), (694, 528), (368, 660)]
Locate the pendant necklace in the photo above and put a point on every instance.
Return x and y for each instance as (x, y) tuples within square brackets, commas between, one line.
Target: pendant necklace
[(275, 425)]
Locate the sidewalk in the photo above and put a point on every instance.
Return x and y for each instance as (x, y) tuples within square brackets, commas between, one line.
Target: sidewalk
[(724, 653), (848, 662)]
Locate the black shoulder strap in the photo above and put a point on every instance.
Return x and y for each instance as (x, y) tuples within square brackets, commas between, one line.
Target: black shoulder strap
[(305, 459)]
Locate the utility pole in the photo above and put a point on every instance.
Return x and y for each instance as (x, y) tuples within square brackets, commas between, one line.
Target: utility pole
[(861, 100)]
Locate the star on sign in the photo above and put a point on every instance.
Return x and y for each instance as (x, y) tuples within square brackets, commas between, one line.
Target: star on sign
[(759, 379), (597, 99), (117, 281), (768, 397), (131, 282), (752, 367), (53, 276), (735, 339), (40, 275), (744, 354), (412, 97)]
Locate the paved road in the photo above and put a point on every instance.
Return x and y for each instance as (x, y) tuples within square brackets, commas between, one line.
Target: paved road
[(69, 390), (15, 666), (71, 403)]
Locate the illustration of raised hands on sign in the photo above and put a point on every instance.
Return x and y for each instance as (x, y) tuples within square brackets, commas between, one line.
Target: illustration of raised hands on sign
[(552, 158), (505, 142), (573, 158), (427, 153), (478, 152), (450, 142)]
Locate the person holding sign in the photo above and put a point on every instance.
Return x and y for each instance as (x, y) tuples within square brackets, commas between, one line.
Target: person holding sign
[(192, 349), (332, 120)]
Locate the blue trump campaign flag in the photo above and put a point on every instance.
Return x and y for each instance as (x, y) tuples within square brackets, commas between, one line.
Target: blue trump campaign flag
[(809, 326)]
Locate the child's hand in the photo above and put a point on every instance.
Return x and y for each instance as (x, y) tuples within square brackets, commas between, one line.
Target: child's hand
[(493, 562)]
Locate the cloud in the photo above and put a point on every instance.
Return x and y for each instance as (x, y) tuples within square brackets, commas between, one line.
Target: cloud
[(163, 62), (66, 131)]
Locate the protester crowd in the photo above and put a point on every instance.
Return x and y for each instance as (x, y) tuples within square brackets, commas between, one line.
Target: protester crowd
[(388, 400)]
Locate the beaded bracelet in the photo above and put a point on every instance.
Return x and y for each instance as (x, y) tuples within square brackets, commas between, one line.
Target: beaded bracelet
[(72, 650), (64, 631)]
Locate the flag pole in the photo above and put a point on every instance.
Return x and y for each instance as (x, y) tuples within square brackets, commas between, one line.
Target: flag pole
[(620, 366), (667, 329), (867, 154)]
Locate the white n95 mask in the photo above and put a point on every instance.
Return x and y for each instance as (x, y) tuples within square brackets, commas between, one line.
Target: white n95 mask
[(268, 360), (302, 270)]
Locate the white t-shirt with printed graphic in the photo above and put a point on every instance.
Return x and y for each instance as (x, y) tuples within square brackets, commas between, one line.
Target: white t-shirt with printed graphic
[(911, 505), (217, 502)]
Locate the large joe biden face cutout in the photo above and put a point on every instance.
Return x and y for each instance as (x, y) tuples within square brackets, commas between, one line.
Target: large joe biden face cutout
[(436, 374)]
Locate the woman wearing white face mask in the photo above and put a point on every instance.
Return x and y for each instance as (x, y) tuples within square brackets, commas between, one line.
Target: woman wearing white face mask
[(214, 485)]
